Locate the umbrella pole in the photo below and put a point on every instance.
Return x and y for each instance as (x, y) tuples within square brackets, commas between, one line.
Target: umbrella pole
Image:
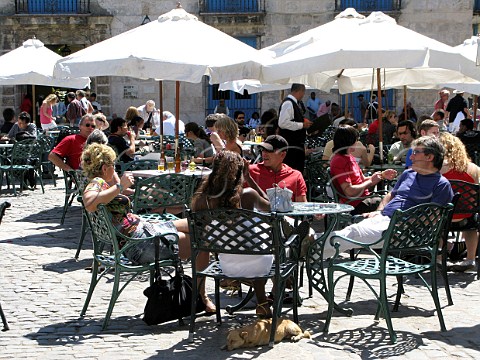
[(34, 106), (405, 101), (160, 93), (346, 106), (475, 107), (380, 116), (177, 123)]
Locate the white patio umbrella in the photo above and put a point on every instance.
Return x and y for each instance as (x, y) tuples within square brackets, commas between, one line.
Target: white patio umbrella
[(32, 64), (321, 55), (176, 46)]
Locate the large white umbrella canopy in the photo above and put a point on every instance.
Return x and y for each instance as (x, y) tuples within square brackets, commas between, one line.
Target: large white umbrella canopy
[(176, 46), (322, 61), (352, 41), (32, 64)]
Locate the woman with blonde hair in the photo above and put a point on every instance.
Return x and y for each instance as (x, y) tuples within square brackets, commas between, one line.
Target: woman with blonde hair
[(457, 166), (98, 164), (226, 135), (46, 112), (131, 113)]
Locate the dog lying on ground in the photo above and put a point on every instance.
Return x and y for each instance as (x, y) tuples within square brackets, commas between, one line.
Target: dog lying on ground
[(258, 333)]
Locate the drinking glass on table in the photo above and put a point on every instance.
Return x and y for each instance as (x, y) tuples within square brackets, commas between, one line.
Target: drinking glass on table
[(170, 163)]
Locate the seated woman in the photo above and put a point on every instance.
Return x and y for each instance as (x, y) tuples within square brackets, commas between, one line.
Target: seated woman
[(201, 143), (347, 176), (457, 166), (223, 188), (226, 135), (98, 165), (389, 126)]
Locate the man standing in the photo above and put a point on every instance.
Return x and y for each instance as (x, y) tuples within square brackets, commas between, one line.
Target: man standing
[(93, 100), (86, 104), (147, 112), (312, 106), (71, 147), (457, 105), (406, 133), (75, 110), (371, 112), (221, 108), (363, 106), (169, 125), (292, 127), (441, 104), (421, 184)]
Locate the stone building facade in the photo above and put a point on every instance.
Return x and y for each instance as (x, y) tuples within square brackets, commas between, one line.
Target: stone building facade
[(449, 21)]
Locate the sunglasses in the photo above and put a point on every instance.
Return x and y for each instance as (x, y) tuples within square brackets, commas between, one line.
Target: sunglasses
[(415, 152), (90, 125)]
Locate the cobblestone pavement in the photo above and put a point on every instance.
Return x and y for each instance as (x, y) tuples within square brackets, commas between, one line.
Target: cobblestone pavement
[(42, 290)]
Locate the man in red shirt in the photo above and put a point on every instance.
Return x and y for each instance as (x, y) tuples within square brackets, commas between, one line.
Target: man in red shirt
[(71, 147), (273, 171)]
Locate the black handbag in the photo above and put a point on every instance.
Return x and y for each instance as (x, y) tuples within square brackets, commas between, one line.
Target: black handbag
[(171, 298)]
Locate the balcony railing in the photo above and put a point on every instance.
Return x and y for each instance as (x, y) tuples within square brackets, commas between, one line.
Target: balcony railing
[(232, 6), (369, 5), (52, 6)]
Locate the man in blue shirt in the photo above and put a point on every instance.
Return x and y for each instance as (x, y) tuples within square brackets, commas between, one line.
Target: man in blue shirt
[(313, 104), (422, 183)]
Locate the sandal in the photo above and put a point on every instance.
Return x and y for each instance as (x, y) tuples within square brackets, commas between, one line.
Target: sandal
[(263, 310), (229, 284), (210, 307)]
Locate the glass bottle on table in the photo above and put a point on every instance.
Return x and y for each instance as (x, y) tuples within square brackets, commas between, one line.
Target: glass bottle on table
[(192, 166)]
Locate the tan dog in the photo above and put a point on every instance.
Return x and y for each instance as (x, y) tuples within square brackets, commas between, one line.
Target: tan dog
[(258, 333)]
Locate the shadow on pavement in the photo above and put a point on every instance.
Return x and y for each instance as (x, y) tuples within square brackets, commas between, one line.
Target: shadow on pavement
[(467, 337)]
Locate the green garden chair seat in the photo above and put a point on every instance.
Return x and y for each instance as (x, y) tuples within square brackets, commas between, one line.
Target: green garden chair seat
[(25, 156), (416, 229), (237, 231), (162, 192), (104, 233)]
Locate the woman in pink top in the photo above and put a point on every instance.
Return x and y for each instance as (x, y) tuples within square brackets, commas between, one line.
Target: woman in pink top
[(46, 118)]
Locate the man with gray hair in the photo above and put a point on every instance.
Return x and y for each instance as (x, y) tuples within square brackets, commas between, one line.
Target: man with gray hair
[(66, 155), (147, 113), (421, 184)]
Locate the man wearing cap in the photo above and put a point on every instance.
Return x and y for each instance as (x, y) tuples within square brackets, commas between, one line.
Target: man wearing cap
[(292, 127), (272, 169), (457, 105), (147, 112)]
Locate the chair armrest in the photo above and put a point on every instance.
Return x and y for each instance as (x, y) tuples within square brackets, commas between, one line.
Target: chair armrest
[(365, 246)]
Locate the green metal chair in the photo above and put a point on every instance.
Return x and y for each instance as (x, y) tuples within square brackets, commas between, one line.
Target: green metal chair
[(25, 156), (3, 206), (147, 164), (418, 228), (71, 191), (318, 181), (104, 233), (161, 192), (81, 181), (47, 142), (237, 231)]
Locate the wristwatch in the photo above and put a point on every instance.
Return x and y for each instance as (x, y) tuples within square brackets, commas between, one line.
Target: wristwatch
[(120, 187)]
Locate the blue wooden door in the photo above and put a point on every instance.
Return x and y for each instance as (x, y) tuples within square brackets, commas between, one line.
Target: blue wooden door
[(234, 101), (52, 6)]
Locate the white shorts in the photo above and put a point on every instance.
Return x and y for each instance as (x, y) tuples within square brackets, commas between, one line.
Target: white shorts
[(48, 126)]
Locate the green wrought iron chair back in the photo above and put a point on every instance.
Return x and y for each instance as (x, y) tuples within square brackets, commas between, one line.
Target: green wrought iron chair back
[(469, 200), (162, 191), (26, 149), (318, 180), (147, 164), (418, 228), (234, 231)]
